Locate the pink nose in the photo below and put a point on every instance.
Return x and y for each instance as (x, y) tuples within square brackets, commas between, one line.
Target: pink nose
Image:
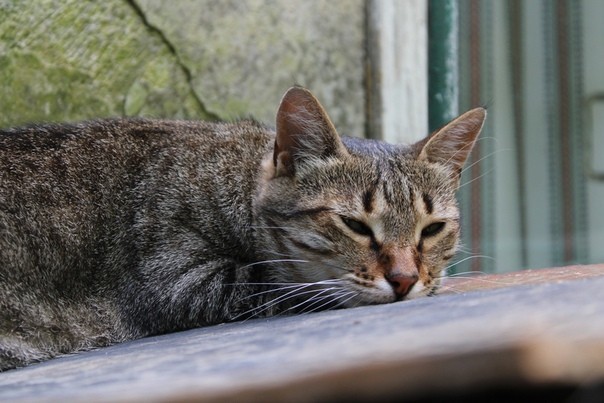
[(401, 283)]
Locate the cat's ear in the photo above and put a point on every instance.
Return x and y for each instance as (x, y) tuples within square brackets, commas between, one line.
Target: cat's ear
[(304, 131), (451, 145)]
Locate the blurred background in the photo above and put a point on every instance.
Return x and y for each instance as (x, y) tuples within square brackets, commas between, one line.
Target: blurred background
[(531, 195)]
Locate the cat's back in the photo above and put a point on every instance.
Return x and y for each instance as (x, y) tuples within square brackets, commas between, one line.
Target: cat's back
[(79, 184), (55, 161), (49, 149)]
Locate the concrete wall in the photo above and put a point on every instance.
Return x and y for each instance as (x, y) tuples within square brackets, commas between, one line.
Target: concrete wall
[(71, 60)]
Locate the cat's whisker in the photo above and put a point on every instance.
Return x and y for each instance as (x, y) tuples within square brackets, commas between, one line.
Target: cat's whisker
[(474, 179), (470, 275), (484, 280), (466, 251), (257, 310), (285, 283), (466, 259), (464, 273), (449, 288), (323, 301), (312, 298), (350, 294), (333, 266), (315, 296), (322, 263), (274, 261), (494, 139), (356, 304), (272, 252), (280, 254), (279, 299), (272, 227), (272, 290), (461, 247), (465, 148), (284, 256), (336, 296), (485, 157), (286, 286)]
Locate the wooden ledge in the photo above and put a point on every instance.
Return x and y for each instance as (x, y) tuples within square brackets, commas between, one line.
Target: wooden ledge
[(480, 281), (542, 333)]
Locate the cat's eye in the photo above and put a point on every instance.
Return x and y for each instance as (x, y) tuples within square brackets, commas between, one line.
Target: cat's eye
[(357, 226), (432, 229)]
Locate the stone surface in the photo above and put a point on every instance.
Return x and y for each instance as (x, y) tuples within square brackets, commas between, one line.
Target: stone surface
[(534, 334), (71, 60), (243, 55)]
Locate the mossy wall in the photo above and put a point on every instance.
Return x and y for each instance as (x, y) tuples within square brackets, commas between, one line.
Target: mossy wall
[(71, 60)]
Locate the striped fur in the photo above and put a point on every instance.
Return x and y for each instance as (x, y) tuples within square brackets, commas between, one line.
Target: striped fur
[(117, 229)]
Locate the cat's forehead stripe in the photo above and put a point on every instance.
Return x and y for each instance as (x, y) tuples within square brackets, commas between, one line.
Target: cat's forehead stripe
[(386, 192), (411, 196), (368, 200), (428, 203), (369, 196)]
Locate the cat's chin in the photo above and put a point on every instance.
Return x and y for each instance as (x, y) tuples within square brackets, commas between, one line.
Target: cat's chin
[(417, 291), (379, 293), (383, 294)]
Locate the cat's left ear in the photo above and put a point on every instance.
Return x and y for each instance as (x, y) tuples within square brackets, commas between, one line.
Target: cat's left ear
[(304, 132), (451, 145)]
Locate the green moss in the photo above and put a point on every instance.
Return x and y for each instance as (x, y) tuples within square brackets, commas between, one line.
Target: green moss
[(73, 60), (65, 60), (32, 95)]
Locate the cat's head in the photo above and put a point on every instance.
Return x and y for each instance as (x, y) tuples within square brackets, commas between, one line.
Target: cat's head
[(368, 221)]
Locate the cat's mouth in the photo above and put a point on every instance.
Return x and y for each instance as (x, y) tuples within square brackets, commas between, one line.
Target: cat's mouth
[(381, 291), (373, 292)]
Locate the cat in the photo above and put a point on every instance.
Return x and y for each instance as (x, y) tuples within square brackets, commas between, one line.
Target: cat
[(112, 230)]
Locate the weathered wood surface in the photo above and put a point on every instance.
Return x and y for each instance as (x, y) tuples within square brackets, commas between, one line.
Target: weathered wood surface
[(527, 334), (480, 281)]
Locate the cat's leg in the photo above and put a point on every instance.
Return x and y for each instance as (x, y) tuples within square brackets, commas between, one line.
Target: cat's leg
[(36, 327), (183, 294)]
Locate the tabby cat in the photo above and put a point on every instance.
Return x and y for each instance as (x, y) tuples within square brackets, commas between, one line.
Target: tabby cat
[(112, 230)]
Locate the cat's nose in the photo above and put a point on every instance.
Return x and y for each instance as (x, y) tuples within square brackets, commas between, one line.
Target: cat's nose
[(401, 283)]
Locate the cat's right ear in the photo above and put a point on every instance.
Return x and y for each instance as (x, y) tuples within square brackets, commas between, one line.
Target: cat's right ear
[(304, 131), (451, 145)]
